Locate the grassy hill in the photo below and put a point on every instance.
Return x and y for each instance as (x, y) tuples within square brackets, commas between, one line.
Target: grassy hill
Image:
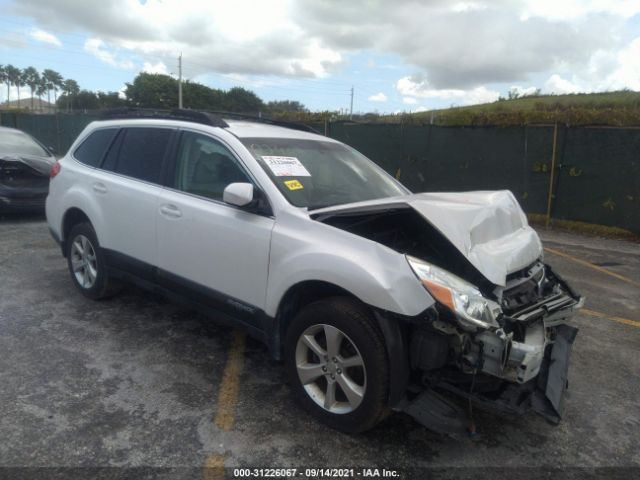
[(620, 108)]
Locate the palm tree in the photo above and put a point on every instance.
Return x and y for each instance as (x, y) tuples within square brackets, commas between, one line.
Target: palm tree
[(54, 80), (3, 79), (13, 78), (70, 88), (48, 76), (41, 89), (31, 78), (19, 82)]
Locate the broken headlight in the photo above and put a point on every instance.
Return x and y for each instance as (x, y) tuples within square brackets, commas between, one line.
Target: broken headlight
[(461, 297)]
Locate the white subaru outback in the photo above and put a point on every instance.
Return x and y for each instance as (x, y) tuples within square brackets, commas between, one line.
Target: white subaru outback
[(376, 299)]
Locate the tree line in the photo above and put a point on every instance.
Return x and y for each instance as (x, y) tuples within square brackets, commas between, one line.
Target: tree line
[(147, 90), (39, 83)]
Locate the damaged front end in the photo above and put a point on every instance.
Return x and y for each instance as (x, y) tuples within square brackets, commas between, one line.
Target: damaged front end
[(513, 360), (497, 333)]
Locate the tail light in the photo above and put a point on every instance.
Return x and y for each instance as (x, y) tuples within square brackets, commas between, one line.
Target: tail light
[(55, 169)]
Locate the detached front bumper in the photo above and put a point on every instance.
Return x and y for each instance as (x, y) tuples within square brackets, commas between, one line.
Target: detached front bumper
[(520, 367)]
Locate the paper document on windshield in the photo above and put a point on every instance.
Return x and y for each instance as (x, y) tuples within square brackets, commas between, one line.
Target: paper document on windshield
[(285, 166)]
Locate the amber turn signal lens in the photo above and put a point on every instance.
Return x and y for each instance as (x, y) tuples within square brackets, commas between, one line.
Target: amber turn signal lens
[(440, 293)]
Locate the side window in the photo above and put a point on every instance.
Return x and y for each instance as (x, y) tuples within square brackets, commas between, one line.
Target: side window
[(141, 152), (92, 150), (205, 167)]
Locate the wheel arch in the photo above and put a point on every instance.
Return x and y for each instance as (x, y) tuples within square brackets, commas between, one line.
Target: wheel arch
[(393, 330), (296, 297), (73, 216)]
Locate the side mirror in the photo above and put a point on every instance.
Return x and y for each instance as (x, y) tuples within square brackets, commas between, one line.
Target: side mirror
[(238, 194)]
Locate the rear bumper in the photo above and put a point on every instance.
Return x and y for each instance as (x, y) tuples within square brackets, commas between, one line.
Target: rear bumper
[(22, 199)]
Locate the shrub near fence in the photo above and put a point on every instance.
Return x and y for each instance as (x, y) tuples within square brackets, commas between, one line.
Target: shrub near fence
[(596, 172)]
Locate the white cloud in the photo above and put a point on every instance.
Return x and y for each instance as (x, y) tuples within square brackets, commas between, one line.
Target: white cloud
[(45, 37), (558, 85), (421, 89), (523, 91), (588, 43), (468, 6), (409, 100), (570, 9), (97, 47), (627, 73), (228, 36), (378, 97), (158, 67)]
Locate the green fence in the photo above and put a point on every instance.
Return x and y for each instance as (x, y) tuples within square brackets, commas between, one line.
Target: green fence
[(596, 173)]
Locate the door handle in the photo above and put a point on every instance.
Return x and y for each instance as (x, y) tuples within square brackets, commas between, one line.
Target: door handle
[(170, 211), (99, 187)]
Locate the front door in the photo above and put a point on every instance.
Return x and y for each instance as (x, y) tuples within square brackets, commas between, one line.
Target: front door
[(211, 250)]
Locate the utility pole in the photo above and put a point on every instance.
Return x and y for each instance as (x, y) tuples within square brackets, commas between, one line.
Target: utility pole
[(180, 81), (351, 109)]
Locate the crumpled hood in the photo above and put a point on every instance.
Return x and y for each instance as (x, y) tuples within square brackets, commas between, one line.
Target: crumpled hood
[(488, 228), (41, 165)]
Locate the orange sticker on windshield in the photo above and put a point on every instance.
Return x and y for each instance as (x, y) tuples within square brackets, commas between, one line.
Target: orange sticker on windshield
[(293, 185)]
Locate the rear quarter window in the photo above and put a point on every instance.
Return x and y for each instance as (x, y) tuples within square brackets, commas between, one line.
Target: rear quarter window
[(141, 153), (92, 150)]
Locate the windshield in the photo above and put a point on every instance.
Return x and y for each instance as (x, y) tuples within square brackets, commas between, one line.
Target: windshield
[(18, 143), (317, 174)]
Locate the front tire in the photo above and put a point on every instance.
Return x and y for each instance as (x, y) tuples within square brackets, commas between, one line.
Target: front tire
[(337, 364), (86, 263)]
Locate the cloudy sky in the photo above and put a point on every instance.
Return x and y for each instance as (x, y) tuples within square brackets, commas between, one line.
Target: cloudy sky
[(398, 55)]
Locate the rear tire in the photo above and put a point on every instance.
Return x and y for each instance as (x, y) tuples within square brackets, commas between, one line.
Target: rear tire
[(337, 364), (86, 263)]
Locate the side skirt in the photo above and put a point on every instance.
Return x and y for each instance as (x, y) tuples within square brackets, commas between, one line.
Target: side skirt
[(224, 309)]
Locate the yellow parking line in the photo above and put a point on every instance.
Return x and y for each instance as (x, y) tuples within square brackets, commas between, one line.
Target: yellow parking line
[(626, 321), (214, 468), (228, 391), (225, 417), (592, 266)]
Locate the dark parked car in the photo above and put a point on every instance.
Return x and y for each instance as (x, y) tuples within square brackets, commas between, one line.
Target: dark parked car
[(24, 171)]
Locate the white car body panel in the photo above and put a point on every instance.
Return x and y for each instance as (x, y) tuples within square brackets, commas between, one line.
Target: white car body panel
[(302, 250), (488, 228), (128, 209), (215, 245)]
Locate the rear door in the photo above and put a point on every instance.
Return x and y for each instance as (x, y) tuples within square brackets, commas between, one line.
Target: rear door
[(211, 250), (127, 191)]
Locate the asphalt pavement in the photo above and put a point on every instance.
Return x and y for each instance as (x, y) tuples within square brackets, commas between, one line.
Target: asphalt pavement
[(137, 385)]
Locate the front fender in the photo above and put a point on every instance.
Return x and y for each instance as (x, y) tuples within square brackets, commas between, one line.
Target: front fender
[(375, 274)]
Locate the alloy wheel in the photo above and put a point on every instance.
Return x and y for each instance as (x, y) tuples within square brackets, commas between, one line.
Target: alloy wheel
[(84, 261), (331, 369)]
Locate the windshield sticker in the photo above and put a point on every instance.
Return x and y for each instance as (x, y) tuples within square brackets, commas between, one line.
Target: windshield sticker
[(285, 166), (293, 185)]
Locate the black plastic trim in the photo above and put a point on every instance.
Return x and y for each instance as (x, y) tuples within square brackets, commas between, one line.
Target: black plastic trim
[(398, 353), (194, 116), (229, 310)]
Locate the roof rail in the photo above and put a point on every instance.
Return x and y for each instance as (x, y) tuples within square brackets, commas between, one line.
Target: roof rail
[(212, 118), (270, 121), (195, 116)]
